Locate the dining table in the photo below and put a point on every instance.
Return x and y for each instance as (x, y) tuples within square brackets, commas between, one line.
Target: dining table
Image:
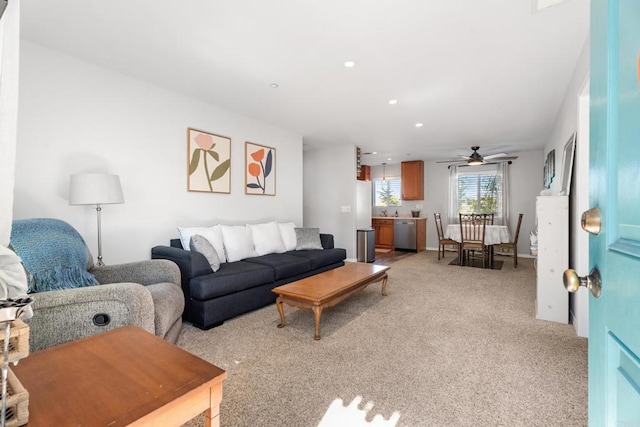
[(494, 235)]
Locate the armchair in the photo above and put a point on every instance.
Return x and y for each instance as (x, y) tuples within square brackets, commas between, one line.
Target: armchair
[(145, 293)]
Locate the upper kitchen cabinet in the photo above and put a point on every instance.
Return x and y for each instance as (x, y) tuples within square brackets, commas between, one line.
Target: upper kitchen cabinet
[(412, 176), (365, 173)]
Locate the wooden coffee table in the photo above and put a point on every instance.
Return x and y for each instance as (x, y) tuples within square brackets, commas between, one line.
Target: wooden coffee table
[(329, 288), (126, 376)]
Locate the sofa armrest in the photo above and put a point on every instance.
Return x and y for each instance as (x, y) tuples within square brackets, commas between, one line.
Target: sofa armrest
[(144, 272), (191, 264), (327, 241), (67, 315)]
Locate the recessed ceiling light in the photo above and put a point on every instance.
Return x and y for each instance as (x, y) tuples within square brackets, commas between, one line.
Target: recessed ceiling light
[(419, 125), (274, 85), (389, 158), (349, 64), (393, 101)]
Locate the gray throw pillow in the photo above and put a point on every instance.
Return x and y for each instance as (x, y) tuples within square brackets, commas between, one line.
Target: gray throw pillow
[(200, 244), (307, 238)]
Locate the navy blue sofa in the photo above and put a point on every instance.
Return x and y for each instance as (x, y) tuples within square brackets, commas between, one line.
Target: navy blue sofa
[(242, 286)]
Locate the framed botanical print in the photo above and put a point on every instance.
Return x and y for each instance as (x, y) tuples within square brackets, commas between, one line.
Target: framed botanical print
[(567, 165), (260, 169), (208, 162)]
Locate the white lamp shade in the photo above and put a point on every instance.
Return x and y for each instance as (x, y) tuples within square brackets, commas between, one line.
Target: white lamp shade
[(95, 188)]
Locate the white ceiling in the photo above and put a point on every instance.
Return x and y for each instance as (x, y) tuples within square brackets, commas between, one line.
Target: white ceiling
[(491, 73)]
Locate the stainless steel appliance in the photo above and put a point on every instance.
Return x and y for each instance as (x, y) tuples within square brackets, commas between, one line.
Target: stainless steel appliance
[(366, 250), (404, 234)]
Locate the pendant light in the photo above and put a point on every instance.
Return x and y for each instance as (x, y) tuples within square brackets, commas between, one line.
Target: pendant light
[(384, 172)]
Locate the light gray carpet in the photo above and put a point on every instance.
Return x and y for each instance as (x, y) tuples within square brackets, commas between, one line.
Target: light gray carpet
[(448, 346)]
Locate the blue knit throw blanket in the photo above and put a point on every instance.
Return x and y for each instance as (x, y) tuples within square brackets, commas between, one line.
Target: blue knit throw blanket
[(52, 252)]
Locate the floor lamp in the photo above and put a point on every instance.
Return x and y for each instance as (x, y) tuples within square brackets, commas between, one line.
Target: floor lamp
[(95, 189)]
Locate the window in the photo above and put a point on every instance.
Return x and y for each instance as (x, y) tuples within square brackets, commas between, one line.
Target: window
[(386, 192), (480, 192)]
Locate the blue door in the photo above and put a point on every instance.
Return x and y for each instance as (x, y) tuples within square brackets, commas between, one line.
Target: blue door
[(614, 325)]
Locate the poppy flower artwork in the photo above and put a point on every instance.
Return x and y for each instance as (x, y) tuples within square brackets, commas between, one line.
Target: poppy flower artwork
[(260, 169), (208, 162)]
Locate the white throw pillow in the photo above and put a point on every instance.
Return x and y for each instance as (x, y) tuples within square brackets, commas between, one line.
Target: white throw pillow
[(266, 238), (201, 244), (288, 234), (212, 234), (238, 242)]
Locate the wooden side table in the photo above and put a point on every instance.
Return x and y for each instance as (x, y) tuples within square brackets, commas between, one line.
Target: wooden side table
[(126, 376)]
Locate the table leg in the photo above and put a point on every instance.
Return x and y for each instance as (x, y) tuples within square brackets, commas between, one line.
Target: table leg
[(281, 311), (212, 421), (491, 256), (317, 312), (212, 415), (384, 284)]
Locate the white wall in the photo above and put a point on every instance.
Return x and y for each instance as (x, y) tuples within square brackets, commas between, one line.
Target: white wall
[(77, 117), (330, 196), (9, 66), (567, 122), (525, 185)]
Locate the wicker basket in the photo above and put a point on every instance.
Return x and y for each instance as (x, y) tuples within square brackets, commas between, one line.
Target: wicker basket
[(17, 402), (18, 340)]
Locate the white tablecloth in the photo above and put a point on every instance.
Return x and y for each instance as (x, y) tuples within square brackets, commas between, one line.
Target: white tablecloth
[(495, 234)]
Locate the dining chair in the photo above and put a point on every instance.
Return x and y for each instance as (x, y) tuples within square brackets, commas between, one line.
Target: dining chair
[(472, 232), (442, 241), (513, 245)]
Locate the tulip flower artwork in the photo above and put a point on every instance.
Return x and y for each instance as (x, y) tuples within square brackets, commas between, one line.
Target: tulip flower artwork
[(209, 162), (260, 170)]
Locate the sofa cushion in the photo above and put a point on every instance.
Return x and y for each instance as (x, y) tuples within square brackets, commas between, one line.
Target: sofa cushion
[(200, 244), (321, 257), (288, 234), (232, 277), (212, 234), (284, 265), (238, 243), (266, 238), (307, 239)]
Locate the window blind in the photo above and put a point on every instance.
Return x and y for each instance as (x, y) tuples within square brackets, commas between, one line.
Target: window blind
[(480, 192), (387, 192)]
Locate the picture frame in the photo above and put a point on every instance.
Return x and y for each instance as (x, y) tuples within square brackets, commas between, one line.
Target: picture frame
[(567, 164), (260, 169), (208, 162), (549, 170)]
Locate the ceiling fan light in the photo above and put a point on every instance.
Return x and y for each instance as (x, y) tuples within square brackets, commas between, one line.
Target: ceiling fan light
[(474, 162)]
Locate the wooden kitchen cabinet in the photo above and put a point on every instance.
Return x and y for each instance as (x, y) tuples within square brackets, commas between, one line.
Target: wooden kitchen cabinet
[(421, 234), (384, 232), (412, 178), (365, 173)]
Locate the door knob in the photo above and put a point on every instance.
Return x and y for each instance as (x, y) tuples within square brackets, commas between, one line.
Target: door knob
[(591, 221), (572, 281)]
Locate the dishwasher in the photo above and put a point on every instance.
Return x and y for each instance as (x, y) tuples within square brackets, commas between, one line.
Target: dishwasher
[(404, 234)]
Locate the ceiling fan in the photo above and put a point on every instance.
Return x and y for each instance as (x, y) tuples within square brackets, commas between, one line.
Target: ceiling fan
[(476, 159)]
